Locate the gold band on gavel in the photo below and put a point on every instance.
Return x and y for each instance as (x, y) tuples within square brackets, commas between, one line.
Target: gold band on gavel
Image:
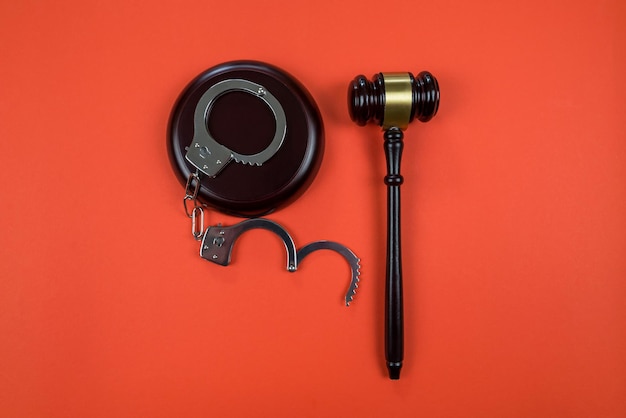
[(398, 100)]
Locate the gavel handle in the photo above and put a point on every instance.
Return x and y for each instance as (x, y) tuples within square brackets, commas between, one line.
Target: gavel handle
[(394, 323)]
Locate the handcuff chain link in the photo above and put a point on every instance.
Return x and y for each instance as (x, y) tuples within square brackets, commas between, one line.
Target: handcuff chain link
[(196, 214)]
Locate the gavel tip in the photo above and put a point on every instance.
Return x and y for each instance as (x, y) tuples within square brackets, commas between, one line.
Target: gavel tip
[(394, 370)]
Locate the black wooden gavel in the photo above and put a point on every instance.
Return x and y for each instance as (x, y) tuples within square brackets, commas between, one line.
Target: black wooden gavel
[(393, 100)]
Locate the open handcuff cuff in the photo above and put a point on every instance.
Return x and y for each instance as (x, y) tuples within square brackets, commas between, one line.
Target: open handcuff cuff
[(228, 173)]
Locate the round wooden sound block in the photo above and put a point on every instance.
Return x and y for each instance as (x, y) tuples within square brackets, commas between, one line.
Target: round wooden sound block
[(253, 133)]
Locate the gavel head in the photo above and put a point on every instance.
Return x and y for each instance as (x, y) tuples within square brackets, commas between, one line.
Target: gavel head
[(393, 99)]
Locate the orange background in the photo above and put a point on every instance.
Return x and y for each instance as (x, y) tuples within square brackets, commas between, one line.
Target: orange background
[(514, 226)]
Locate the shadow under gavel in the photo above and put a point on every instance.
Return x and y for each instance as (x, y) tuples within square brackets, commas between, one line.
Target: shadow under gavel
[(392, 101)]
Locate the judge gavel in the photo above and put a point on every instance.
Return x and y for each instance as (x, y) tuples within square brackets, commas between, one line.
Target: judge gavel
[(393, 100)]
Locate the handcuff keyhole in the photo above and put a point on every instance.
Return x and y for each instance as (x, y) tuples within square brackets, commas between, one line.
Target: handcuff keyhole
[(204, 152)]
